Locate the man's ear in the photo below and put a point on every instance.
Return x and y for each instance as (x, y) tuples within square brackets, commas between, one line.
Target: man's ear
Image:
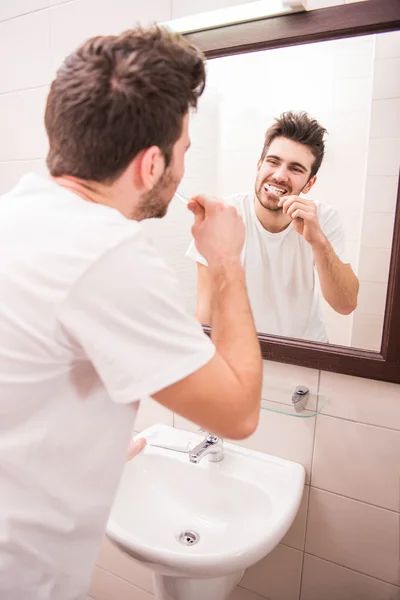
[(259, 164), (309, 185), (150, 165)]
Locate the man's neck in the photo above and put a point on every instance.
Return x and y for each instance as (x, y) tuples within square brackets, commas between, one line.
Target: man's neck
[(98, 193), (271, 220)]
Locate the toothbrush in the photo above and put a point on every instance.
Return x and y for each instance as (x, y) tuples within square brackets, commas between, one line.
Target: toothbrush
[(182, 198)]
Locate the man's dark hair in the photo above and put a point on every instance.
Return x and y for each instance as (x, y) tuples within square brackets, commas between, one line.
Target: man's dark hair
[(118, 95), (299, 127)]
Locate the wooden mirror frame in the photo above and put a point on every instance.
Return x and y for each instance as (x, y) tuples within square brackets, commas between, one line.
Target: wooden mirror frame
[(349, 20)]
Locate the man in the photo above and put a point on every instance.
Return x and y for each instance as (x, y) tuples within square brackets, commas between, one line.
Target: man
[(288, 238), (91, 318)]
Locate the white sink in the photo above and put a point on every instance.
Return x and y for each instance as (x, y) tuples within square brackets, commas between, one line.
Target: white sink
[(240, 508)]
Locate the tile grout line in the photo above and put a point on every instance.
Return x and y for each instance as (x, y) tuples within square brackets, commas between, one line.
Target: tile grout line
[(309, 491), (125, 580), (251, 591), (353, 570), (391, 510), (25, 14), (8, 162), (322, 414), (35, 87)]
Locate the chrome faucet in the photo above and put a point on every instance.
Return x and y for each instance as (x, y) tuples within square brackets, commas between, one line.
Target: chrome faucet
[(211, 446)]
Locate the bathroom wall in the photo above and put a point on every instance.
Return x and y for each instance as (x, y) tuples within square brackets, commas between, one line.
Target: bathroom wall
[(380, 194), (344, 544)]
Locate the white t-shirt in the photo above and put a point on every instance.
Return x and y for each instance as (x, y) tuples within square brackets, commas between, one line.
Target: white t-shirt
[(91, 320), (280, 272)]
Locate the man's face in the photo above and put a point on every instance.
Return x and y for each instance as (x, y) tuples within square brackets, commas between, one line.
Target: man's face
[(285, 171), (155, 203)]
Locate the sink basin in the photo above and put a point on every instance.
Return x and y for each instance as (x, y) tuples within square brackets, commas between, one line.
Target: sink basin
[(203, 520)]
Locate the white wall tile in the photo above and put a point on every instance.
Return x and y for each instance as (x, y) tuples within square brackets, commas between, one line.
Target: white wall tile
[(374, 264), (372, 298), (364, 466), (360, 399), (74, 22), (151, 412), (26, 42), (378, 230), (367, 332), (385, 118), (106, 586), (295, 537), (280, 381), (388, 45), (386, 79), (277, 576), (327, 581), (113, 560), (384, 156), (183, 8), (353, 66), (355, 535), (352, 95), (11, 172), (381, 193), (9, 9), (22, 131)]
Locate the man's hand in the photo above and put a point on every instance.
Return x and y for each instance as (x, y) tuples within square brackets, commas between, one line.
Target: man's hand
[(135, 448), (305, 218), (218, 230)]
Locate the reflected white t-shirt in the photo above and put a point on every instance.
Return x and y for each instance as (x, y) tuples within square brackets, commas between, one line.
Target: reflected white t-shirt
[(280, 271), (91, 320)]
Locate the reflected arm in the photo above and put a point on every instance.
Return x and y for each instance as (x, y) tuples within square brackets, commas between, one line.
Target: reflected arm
[(339, 284), (204, 295)]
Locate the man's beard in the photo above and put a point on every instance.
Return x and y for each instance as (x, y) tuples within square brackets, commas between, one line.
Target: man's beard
[(154, 204)]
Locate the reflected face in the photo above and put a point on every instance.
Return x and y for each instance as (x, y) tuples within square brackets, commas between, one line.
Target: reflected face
[(154, 204), (284, 171)]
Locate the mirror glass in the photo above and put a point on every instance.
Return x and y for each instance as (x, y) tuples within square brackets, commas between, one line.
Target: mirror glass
[(352, 88)]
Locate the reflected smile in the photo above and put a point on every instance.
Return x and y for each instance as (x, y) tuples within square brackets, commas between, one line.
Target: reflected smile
[(272, 189)]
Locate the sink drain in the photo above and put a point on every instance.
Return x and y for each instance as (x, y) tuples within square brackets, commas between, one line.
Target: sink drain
[(188, 538)]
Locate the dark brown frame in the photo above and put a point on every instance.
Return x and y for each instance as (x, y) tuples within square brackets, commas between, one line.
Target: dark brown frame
[(374, 16)]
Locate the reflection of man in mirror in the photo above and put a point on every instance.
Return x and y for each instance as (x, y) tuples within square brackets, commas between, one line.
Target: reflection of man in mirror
[(288, 239)]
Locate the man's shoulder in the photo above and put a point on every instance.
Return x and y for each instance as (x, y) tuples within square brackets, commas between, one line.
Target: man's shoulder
[(327, 214), (239, 201)]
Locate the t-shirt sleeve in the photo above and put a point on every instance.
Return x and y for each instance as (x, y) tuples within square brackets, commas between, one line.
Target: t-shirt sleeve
[(332, 228), (127, 315), (192, 252)]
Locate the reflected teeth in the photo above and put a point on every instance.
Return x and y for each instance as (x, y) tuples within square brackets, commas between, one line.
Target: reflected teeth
[(274, 190)]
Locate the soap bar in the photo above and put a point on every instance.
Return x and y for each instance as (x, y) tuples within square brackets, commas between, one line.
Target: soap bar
[(173, 440)]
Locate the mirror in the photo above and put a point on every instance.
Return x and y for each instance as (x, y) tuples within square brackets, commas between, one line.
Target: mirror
[(348, 92), (351, 86)]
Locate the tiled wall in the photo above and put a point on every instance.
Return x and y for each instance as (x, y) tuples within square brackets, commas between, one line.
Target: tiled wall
[(381, 192), (344, 544)]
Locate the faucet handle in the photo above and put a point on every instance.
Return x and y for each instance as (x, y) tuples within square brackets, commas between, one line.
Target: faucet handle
[(210, 436)]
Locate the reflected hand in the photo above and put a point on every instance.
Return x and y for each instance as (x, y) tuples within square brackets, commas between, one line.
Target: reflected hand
[(218, 229), (135, 448), (305, 218)]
